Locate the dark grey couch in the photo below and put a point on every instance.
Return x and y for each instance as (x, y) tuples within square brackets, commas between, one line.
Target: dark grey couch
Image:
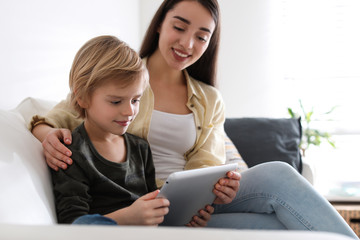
[(261, 140)]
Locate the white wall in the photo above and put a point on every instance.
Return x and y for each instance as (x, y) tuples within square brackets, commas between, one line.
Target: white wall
[(39, 39), (147, 11), (247, 73)]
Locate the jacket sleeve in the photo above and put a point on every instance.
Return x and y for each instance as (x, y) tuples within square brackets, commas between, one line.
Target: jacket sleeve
[(149, 170), (209, 149), (61, 116), (71, 189)]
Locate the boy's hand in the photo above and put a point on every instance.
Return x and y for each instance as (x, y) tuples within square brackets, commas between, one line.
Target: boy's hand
[(147, 210), (226, 188), (203, 219)]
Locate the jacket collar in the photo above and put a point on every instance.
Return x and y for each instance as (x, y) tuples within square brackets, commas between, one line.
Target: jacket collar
[(191, 86)]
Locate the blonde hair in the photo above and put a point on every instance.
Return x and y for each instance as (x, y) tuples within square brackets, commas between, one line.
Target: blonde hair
[(99, 60)]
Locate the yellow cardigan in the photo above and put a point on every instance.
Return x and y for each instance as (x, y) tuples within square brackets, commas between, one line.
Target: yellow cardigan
[(203, 100)]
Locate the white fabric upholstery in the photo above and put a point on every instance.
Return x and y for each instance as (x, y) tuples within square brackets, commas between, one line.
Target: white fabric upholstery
[(31, 106), (61, 232), (24, 178)]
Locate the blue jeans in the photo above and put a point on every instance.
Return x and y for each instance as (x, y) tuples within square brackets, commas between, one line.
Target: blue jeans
[(94, 219), (271, 196), (275, 196)]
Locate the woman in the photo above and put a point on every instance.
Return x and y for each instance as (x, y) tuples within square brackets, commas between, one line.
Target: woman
[(182, 118)]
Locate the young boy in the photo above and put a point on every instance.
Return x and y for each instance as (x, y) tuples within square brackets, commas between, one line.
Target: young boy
[(112, 179)]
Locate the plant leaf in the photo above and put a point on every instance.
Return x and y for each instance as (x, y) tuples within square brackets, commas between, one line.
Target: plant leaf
[(291, 112)]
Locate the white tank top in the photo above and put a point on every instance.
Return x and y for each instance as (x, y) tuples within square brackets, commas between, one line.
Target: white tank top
[(170, 137)]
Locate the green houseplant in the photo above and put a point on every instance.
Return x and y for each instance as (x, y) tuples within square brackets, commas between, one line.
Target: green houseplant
[(311, 136)]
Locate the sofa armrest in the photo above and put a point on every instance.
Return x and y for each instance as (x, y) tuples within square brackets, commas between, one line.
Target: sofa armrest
[(308, 171), (72, 232), (25, 182)]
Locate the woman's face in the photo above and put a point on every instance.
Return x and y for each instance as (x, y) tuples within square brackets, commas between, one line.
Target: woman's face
[(185, 34)]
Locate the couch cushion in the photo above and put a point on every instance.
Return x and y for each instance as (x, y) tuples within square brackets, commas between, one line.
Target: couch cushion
[(262, 140), (25, 184), (32, 106), (233, 155)]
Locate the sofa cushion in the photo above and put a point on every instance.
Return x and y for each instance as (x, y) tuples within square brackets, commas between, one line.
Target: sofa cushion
[(32, 106), (25, 184), (233, 155), (262, 140)]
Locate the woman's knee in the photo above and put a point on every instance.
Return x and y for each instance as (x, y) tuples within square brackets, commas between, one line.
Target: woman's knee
[(273, 173), (279, 168)]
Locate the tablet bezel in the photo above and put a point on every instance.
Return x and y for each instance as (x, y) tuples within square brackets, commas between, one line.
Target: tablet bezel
[(191, 190)]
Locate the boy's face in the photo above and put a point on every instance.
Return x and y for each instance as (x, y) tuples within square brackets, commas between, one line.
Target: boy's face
[(114, 106)]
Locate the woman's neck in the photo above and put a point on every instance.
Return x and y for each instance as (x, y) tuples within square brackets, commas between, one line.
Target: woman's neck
[(160, 71), (168, 85)]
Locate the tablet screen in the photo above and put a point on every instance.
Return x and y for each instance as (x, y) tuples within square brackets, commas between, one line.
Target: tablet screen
[(191, 190)]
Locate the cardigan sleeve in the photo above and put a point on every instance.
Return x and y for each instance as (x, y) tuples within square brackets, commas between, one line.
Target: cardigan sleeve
[(71, 191), (60, 116)]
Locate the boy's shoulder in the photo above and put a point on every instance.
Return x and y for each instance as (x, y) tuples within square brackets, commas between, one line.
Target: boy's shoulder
[(133, 139), (78, 133)]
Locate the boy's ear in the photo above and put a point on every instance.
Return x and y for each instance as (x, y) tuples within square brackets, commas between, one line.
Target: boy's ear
[(82, 103)]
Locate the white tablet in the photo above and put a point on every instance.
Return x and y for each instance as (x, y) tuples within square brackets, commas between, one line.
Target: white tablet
[(191, 190)]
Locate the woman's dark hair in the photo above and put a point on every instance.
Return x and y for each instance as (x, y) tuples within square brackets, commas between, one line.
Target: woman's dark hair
[(203, 69)]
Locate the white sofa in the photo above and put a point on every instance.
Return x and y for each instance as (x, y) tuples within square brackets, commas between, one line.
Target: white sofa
[(26, 200)]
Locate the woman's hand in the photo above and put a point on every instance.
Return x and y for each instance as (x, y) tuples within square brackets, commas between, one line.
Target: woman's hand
[(56, 154), (147, 210), (203, 219), (226, 188)]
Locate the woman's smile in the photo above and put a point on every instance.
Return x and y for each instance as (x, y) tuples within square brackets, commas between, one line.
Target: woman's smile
[(180, 56)]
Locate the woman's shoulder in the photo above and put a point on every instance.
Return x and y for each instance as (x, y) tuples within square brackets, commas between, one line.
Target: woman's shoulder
[(203, 89)]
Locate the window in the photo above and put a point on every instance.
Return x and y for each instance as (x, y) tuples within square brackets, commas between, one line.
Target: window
[(318, 47), (320, 52)]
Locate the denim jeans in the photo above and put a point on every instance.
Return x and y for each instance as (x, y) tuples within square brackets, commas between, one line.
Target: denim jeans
[(94, 219), (272, 196), (275, 196)]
